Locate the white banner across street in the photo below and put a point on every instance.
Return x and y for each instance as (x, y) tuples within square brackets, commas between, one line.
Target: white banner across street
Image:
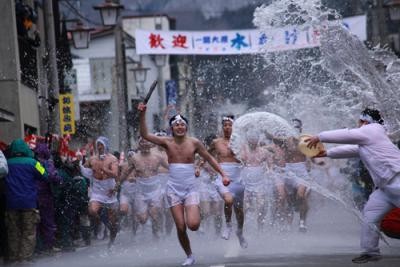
[(236, 41)]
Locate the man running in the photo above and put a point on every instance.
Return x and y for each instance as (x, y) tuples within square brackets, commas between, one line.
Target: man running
[(182, 195), (149, 194), (211, 203), (163, 175), (103, 194), (233, 195), (297, 175), (255, 158), (128, 190)]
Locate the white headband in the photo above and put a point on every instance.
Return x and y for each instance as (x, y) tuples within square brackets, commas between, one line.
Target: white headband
[(130, 153), (178, 119), (227, 119), (367, 118)]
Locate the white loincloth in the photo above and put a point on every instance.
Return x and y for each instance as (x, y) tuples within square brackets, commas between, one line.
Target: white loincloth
[(163, 180), (181, 186), (128, 192), (207, 190), (296, 174), (101, 191), (254, 179), (236, 187), (149, 193)]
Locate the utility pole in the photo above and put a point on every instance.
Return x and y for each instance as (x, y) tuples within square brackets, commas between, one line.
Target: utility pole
[(54, 124), (121, 88)]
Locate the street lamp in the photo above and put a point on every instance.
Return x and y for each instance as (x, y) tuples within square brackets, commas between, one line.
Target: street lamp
[(140, 77), (109, 12), (394, 9), (81, 35), (160, 60)]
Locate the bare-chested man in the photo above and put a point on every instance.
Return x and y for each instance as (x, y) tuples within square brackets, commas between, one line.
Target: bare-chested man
[(233, 195), (211, 203), (297, 171), (182, 195), (256, 160), (103, 192), (148, 195), (163, 175), (128, 190)]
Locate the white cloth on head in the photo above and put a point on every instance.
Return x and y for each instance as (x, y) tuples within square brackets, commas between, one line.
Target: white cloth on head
[(367, 118), (101, 191), (181, 186)]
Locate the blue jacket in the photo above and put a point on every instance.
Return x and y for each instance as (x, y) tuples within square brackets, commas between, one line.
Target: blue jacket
[(23, 171)]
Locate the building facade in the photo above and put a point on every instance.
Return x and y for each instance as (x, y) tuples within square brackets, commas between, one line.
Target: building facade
[(96, 82), (21, 77)]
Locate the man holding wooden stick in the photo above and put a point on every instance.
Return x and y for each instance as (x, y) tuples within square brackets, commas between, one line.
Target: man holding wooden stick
[(182, 195)]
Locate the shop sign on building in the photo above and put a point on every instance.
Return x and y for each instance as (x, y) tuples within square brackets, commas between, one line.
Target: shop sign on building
[(67, 117)]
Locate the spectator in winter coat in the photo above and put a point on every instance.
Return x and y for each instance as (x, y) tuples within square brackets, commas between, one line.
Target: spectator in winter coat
[(21, 198), (47, 226)]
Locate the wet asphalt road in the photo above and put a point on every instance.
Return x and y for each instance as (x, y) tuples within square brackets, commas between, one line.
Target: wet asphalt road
[(332, 240)]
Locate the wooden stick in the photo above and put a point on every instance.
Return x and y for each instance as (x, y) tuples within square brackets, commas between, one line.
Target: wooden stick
[(152, 87)]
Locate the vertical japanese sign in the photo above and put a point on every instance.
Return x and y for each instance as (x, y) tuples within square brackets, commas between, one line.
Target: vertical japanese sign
[(67, 117)]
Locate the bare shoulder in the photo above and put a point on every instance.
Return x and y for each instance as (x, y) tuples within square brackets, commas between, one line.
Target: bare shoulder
[(194, 139), (168, 139), (112, 158), (217, 140)]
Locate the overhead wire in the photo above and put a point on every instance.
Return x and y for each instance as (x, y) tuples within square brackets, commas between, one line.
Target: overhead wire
[(78, 13)]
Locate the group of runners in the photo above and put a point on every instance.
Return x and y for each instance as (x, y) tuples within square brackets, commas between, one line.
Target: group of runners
[(198, 180), (179, 179)]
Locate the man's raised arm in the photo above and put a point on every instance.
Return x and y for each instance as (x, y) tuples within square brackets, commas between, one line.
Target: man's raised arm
[(143, 127)]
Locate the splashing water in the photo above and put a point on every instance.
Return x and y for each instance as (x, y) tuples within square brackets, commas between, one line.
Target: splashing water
[(335, 81), (325, 87), (262, 125)]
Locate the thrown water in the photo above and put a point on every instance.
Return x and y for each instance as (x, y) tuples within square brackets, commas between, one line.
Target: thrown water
[(328, 86), (325, 87)]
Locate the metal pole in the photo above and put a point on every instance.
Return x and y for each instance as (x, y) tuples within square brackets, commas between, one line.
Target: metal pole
[(54, 124)]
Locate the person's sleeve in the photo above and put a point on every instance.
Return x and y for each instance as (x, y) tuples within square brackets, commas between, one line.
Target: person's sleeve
[(345, 151), (3, 165), (356, 136), (86, 172), (52, 172), (41, 171)]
